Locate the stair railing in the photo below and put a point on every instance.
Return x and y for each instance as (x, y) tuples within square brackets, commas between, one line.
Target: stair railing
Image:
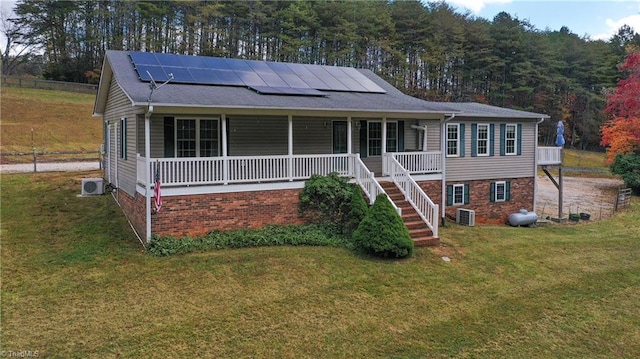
[(424, 206), (367, 181)]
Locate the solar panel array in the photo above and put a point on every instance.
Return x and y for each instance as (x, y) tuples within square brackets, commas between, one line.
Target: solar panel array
[(262, 76)]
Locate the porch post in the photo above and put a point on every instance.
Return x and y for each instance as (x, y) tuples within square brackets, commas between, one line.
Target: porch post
[(290, 146), (225, 160), (383, 150), (350, 144), (147, 164)]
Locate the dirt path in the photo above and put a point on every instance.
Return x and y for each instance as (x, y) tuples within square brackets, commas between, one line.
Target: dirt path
[(50, 167), (595, 196)]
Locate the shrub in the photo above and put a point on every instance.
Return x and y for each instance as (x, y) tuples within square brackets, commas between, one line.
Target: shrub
[(292, 235), (357, 211), (628, 167), (382, 232), (327, 199)]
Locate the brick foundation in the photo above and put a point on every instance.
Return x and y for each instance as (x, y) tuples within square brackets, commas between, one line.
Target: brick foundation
[(487, 212), (193, 215), (134, 209)]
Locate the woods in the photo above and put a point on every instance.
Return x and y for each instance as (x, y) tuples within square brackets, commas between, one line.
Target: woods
[(428, 50)]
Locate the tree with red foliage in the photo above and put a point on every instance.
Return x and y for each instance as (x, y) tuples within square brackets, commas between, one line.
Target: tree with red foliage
[(621, 134)]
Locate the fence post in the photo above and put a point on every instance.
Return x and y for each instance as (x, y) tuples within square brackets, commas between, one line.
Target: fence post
[(33, 146)]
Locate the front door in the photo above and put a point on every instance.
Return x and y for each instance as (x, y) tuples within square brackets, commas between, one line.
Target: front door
[(339, 137)]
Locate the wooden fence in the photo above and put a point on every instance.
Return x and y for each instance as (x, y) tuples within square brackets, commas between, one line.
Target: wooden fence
[(29, 82)]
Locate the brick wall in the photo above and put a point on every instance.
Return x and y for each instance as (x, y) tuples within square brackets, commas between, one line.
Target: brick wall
[(134, 209), (496, 212), (193, 215)]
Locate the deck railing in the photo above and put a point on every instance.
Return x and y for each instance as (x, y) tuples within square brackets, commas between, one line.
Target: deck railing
[(420, 162), (549, 156), (424, 206), (242, 169)]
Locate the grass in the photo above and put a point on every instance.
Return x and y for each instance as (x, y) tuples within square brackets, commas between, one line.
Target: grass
[(61, 121), (76, 284)]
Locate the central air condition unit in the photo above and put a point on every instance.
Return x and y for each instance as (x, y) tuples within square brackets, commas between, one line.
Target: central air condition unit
[(92, 186), (466, 217)]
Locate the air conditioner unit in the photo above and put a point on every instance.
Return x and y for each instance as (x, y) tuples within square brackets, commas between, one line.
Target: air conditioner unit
[(92, 186), (466, 217)]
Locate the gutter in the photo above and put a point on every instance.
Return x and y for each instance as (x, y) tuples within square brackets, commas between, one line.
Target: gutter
[(443, 147)]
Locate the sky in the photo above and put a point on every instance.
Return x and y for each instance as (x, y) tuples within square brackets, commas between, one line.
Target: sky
[(597, 19)]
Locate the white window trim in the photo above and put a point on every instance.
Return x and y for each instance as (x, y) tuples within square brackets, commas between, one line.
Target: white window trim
[(197, 119), (454, 188), (478, 140), (504, 191), (515, 139), (457, 126)]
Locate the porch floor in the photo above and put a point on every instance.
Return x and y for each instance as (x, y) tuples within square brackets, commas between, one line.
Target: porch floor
[(421, 234)]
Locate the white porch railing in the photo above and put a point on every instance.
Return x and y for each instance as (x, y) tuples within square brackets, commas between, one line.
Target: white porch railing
[(419, 162), (239, 169), (366, 180), (427, 210), (549, 156)]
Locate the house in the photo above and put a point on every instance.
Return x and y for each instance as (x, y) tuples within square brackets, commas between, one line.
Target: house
[(232, 142)]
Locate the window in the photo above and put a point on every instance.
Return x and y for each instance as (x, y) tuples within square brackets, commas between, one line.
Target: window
[(452, 139), (195, 137), (500, 191), (123, 138), (457, 194), (510, 140), (482, 138), (392, 137)]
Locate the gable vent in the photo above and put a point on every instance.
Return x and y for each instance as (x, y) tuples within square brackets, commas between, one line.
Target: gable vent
[(466, 217)]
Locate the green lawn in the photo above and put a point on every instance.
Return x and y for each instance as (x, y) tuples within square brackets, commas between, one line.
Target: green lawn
[(76, 284)]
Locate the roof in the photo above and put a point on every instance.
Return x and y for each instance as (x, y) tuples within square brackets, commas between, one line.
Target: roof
[(118, 65)]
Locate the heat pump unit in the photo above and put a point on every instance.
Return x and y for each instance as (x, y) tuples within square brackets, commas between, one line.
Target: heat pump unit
[(466, 217), (92, 186)]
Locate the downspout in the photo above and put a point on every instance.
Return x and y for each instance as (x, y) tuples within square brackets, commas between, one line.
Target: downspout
[(147, 163), (535, 169), (443, 149)]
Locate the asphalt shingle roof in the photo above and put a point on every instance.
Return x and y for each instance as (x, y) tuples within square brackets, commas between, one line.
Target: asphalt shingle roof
[(189, 95)]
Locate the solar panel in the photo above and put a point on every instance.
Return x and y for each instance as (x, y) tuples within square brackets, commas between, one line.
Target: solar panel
[(261, 76)]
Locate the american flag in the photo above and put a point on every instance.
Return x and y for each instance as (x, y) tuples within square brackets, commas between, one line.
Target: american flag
[(156, 191)]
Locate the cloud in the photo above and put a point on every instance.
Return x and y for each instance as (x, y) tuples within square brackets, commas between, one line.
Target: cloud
[(475, 6), (614, 25)]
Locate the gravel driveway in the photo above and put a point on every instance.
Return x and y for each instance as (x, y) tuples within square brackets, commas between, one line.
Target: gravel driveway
[(595, 196), (50, 167)]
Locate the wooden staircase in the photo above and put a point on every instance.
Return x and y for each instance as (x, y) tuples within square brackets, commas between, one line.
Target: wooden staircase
[(421, 234)]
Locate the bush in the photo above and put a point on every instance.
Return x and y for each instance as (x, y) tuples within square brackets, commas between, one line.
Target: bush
[(382, 232), (327, 200), (357, 211), (308, 235), (628, 167)]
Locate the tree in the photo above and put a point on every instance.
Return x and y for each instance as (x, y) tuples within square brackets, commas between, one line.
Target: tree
[(621, 134), (18, 46)]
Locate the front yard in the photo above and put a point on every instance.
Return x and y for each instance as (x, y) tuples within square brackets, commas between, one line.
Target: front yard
[(76, 284)]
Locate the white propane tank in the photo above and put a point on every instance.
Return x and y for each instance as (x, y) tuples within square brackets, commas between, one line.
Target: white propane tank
[(523, 218)]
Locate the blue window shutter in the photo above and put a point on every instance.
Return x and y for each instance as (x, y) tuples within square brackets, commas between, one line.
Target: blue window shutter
[(169, 137), (400, 136), (503, 138), (519, 139), (492, 192), (462, 140), (449, 195), (507, 191), (492, 137), (363, 139), (474, 140), (466, 194)]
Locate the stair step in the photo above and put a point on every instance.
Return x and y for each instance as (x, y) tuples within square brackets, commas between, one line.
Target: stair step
[(411, 225), (426, 242)]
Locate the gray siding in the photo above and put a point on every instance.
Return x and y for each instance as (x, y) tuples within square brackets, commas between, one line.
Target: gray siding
[(257, 136), (411, 135), (118, 106), (311, 136), (478, 168)]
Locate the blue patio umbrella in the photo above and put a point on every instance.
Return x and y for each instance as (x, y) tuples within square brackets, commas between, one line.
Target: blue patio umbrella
[(560, 134)]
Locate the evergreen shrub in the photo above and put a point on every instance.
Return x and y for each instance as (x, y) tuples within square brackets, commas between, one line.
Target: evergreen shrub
[(382, 232)]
